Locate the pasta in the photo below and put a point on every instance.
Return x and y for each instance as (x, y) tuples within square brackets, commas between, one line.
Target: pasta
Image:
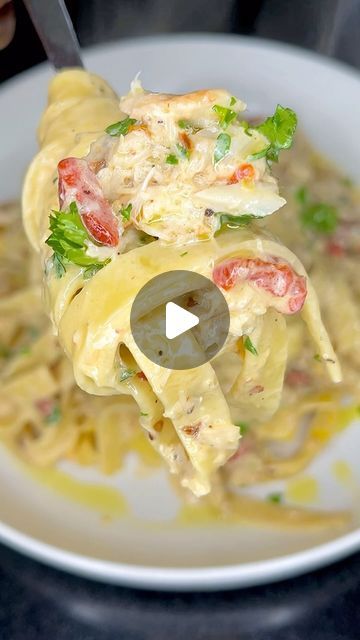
[(113, 187), (220, 426)]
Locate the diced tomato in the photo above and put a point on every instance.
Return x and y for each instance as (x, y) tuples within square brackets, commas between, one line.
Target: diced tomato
[(335, 249), (274, 276), (185, 140), (297, 378), (244, 172), (78, 183)]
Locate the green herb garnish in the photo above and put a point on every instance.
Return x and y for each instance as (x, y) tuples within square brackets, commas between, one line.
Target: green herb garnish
[(222, 147), (318, 357), (226, 116), (246, 126), (120, 128), (125, 374), (172, 159), (68, 239), (188, 126), (54, 416), (232, 101), (235, 221), (279, 129), (302, 195), (249, 346), (183, 254), (89, 272), (125, 212), (143, 414), (275, 498), (320, 217), (183, 151), (243, 427)]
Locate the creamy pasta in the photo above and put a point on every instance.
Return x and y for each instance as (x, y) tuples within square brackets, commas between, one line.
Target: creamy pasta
[(126, 197), (130, 184)]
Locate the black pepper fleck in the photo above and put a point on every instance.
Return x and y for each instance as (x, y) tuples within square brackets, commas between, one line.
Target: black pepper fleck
[(209, 213)]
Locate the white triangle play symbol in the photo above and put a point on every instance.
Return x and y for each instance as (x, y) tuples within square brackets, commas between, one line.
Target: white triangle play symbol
[(178, 320)]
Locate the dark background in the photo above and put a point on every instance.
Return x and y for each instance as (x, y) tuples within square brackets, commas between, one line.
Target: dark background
[(328, 26), (39, 603)]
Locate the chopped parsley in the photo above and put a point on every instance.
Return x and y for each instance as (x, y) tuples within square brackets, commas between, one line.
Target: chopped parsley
[(275, 498), (68, 239), (54, 416), (143, 414), (120, 128), (125, 374), (232, 101), (222, 147), (226, 219), (125, 212), (183, 254), (183, 151), (246, 126), (302, 195), (318, 357), (172, 159), (226, 116), (249, 346), (320, 217), (243, 427), (89, 272), (279, 129), (188, 126)]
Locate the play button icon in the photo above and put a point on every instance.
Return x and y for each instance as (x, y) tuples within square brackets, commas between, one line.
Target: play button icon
[(180, 320)]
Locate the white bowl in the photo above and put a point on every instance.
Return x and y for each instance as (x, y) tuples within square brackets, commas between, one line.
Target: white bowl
[(149, 549)]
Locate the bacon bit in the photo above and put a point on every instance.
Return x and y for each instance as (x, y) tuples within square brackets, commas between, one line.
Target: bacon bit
[(335, 249), (257, 389), (245, 172), (297, 378), (185, 140), (45, 406), (158, 426), (191, 302), (192, 430), (274, 276), (77, 182), (141, 375), (97, 165)]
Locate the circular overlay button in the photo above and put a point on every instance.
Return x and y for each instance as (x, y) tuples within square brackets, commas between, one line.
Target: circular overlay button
[(180, 320)]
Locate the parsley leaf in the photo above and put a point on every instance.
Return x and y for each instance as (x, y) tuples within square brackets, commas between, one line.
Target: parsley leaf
[(246, 126), (183, 151), (226, 116), (235, 221), (183, 254), (320, 217), (243, 427), (120, 128), (301, 195), (143, 414), (125, 212), (125, 374), (68, 239), (222, 147), (318, 357), (58, 265), (232, 101), (275, 498), (249, 346), (279, 129), (171, 159)]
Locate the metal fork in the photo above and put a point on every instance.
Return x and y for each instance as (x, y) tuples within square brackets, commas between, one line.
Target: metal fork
[(56, 32)]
